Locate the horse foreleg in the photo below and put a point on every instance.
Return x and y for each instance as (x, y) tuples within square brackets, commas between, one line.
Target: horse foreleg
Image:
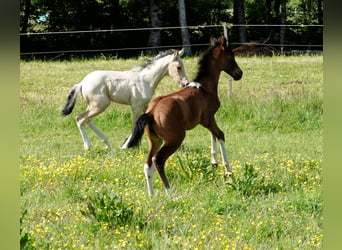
[(99, 133), (213, 149), (216, 132), (136, 112), (225, 160)]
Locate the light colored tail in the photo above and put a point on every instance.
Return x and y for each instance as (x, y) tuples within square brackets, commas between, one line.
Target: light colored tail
[(71, 100)]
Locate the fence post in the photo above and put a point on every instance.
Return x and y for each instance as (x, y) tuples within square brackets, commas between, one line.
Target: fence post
[(225, 33), (230, 80)]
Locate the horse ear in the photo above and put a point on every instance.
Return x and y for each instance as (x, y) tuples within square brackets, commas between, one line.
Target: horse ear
[(223, 41), (181, 52), (213, 41)]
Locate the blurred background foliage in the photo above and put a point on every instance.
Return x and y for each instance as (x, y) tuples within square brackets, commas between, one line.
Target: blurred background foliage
[(91, 15)]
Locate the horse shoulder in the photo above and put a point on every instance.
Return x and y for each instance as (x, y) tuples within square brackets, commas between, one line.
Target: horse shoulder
[(141, 88), (195, 106)]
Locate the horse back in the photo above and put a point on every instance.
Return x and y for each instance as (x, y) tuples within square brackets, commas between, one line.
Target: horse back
[(184, 109), (117, 86)]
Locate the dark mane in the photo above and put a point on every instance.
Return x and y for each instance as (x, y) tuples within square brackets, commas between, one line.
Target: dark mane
[(152, 60), (203, 63)]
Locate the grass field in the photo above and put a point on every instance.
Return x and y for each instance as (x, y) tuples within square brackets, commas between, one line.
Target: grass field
[(273, 128)]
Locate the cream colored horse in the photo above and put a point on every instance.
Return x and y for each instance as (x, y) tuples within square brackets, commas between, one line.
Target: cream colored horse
[(134, 87)]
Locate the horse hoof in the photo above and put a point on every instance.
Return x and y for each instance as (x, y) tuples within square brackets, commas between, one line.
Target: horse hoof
[(228, 178), (169, 191), (214, 164), (228, 174)]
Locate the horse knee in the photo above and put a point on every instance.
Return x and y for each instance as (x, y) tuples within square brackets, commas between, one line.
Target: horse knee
[(158, 162), (80, 122), (81, 119), (220, 135)]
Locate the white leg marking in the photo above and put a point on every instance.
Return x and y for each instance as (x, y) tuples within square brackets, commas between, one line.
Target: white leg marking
[(149, 174), (99, 133), (213, 150), (125, 146), (86, 141), (225, 157)]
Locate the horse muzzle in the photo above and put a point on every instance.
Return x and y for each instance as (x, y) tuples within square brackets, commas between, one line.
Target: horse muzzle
[(237, 75)]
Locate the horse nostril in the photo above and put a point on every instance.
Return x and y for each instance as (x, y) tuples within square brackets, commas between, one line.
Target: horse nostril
[(238, 75)]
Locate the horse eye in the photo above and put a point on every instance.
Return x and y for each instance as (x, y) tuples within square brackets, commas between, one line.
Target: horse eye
[(179, 67)]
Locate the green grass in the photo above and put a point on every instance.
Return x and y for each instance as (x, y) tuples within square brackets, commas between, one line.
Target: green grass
[(99, 200)]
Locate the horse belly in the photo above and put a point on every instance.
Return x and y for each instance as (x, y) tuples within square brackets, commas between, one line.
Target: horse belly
[(176, 114), (191, 121)]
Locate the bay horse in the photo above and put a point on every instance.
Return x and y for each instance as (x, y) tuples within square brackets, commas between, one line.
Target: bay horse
[(168, 117), (133, 87)]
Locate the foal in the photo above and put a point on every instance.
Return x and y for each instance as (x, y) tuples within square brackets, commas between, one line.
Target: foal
[(133, 87), (168, 117)]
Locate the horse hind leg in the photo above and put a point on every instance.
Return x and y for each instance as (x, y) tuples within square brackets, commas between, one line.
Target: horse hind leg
[(159, 161), (104, 138), (80, 124), (149, 168), (149, 175), (85, 118)]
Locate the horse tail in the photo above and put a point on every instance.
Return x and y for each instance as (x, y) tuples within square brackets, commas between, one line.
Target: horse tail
[(138, 130), (71, 100)]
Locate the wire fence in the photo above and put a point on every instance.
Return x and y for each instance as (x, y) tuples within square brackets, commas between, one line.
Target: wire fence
[(169, 28), (64, 36)]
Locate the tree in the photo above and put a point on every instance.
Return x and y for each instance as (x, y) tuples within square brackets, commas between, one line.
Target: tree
[(75, 15), (154, 39), (239, 16), (183, 23), (25, 20), (282, 23), (320, 11)]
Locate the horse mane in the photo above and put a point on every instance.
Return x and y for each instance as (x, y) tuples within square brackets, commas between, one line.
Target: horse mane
[(203, 63), (150, 61)]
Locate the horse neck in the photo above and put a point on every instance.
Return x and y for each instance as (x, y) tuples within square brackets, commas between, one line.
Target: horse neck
[(210, 81), (156, 72)]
